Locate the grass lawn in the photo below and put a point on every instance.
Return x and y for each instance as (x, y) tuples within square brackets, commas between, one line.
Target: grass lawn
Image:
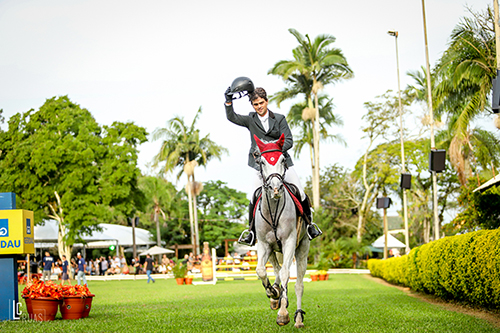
[(344, 303)]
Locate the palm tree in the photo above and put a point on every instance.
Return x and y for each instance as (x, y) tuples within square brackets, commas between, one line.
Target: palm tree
[(160, 194), (465, 74), (315, 65), (183, 148), (295, 120)]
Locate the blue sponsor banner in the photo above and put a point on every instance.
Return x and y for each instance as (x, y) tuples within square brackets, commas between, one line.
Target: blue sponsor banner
[(4, 227)]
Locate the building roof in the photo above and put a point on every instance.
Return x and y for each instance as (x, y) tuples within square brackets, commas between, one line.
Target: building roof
[(111, 234)]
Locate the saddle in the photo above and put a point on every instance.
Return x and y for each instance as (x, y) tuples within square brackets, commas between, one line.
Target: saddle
[(292, 190)]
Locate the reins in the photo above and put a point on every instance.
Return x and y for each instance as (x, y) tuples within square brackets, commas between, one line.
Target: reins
[(277, 215)]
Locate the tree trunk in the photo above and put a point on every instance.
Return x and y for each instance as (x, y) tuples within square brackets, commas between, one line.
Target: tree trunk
[(196, 249), (57, 214), (316, 194), (190, 206), (157, 221)]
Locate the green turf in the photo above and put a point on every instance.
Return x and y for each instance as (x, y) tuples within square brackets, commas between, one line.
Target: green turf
[(345, 303)]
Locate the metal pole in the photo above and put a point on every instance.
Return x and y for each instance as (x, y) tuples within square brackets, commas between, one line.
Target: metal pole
[(134, 247), (431, 115), (403, 164), (386, 231)]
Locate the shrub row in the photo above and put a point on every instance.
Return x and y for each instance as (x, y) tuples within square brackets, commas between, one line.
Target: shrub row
[(463, 267)]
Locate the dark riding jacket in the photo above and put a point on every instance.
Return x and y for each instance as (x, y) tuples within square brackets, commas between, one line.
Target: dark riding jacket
[(277, 126)]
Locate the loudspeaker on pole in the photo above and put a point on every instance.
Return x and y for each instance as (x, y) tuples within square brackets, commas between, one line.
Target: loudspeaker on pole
[(383, 202), (405, 180), (437, 160)]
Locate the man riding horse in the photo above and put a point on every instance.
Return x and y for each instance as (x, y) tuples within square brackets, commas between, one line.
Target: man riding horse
[(266, 125)]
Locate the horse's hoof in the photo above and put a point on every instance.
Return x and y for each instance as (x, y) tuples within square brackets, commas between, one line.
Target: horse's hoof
[(275, 304), (299, 325), (283, 320)]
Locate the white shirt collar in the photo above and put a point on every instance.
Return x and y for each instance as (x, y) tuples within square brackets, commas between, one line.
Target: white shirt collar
[(264, 120)]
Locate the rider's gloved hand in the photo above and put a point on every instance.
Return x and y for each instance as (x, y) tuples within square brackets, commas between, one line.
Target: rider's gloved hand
[(228, 95)]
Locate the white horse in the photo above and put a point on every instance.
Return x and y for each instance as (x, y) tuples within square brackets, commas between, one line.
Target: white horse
[(279, 229)]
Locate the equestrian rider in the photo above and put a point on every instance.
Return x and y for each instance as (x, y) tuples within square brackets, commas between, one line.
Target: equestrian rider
[(269, 126)]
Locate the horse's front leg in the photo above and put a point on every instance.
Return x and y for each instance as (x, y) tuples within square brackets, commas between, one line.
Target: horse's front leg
[(301, 258), (277, 283), (263, 253), (288, 253)]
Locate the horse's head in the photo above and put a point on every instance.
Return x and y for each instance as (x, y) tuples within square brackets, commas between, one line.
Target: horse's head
[(272, 165)]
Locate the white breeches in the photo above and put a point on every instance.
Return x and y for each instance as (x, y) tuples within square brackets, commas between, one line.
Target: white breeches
[(290, 177)]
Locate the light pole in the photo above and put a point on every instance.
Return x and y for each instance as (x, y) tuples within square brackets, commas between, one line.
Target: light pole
[(403, 167), (431, 115)]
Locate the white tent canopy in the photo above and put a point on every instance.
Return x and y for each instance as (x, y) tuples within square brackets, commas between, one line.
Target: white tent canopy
[(156, 250), (111, 234), (492, 182), (392, 242)]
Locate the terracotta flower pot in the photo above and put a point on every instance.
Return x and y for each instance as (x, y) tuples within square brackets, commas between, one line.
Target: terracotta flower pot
[(72, 307), (188, 280), (44, 308), (327, 275), (180, 281), (88, 306), (29, 307), (322, 277), (314, 277)]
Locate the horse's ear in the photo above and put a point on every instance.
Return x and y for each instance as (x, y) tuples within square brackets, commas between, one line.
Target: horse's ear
[(260, 144), (281, 141)]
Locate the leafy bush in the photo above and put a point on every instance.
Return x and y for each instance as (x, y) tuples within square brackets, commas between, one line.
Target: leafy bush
[(463, 267)]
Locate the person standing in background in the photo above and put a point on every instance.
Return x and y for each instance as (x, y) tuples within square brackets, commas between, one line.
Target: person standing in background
[(48, 266), (80, 270), (149, 267), (65, 276)]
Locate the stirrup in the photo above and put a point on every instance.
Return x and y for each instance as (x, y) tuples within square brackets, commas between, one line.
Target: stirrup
[(247, 239), (313, 231)]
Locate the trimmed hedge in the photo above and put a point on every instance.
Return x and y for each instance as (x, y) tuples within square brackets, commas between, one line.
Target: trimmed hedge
[(463, 267)]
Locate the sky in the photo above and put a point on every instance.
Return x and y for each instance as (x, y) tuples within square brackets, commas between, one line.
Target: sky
[(149, 61)]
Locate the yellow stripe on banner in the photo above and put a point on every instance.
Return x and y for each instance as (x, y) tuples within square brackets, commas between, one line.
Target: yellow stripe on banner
[(251, 278), (229, 279)]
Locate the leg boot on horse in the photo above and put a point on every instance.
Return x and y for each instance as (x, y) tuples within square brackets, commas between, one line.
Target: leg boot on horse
[(313, 230), (247, 237)]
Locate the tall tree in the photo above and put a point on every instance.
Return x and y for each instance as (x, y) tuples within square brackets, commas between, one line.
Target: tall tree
[(64, 166), (305, 138), (161, 200), (184, 149), (465, 73), (222, 209), (315, 64)]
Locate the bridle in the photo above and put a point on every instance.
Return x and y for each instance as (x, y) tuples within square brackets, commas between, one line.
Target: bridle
[(267, 187)]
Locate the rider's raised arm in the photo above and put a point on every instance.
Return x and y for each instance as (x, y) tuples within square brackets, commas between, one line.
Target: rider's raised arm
[(235, 118)]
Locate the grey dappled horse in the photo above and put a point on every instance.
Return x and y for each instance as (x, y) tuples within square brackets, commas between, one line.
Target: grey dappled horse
[(276, 228)]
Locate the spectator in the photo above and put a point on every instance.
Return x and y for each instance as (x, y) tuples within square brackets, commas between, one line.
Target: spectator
[(137, 266), (149, 267), (48, 266), (80, 270), (104, 266), (57, 269), (64, 266), (73, 268), (123, 262), (33, 266), (97, 266)]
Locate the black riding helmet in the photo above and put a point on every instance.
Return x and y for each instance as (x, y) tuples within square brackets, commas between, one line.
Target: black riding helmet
[(241, 85)]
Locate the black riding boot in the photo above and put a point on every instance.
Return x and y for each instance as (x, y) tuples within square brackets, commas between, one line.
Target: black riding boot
[(248, 236), (313, 230)]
